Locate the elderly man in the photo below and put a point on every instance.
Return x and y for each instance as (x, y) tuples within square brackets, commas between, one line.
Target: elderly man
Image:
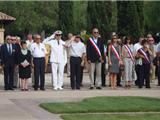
[(95, 57), (38, 52), (8, 62), (77, 55), (58, 59), (29, 40), (16, 41), (70, 35)]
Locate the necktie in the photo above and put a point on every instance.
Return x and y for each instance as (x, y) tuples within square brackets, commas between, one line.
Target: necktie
[(10, 51), (58, 42)]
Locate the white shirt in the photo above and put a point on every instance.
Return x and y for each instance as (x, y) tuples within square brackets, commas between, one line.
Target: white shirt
[(9, 47), (95, 40), (29, 43), (137, 46), (38, 51), (58, 52), (77, 49), (158, 47)]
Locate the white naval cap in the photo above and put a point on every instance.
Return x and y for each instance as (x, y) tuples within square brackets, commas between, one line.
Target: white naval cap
[(58, 32)]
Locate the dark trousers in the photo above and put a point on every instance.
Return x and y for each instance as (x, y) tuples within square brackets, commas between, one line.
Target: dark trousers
[(81, 75), (138, 69), (144, 76), (119, 79), (75, 66), (8, 77), (103, 75), (158, 74), (39, 72)]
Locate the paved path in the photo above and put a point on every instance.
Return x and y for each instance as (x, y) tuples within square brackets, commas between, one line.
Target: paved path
[(19, 105)]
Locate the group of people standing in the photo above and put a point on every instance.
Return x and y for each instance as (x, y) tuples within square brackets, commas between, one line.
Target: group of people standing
[(123, 60)]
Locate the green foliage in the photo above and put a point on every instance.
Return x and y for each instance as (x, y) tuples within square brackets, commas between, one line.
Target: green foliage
[(99, 15), (152, 16), (65, 13), (31, 17), (79, 16), (124, 17), (130, 18)]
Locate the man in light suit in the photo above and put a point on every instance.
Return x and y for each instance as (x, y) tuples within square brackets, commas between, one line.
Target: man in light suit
[(8, 62), (58, 59)]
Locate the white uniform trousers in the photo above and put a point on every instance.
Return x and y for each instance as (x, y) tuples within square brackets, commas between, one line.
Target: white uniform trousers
[(57, 74)]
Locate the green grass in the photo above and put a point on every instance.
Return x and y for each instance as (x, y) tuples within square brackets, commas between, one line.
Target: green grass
[(105, 104), (112, 117)]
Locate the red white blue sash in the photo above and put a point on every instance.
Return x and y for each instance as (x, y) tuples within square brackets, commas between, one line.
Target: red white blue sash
[(115, 52), (95, 46), (129, 52), (144, 54)]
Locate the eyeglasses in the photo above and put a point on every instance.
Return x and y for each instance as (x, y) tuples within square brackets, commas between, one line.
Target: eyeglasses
[(95, 32), (58, 34), (38, 38)]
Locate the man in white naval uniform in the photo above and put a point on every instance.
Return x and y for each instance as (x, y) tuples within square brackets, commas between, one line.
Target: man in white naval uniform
[(58, 59)]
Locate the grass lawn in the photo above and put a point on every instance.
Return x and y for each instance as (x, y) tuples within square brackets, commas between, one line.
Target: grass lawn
[(112, 117), (106, 104)]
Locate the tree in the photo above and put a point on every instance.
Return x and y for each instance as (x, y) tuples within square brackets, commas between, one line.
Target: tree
[(99, 15), (128, 18), (65, 13), (31, 17), (151, 16)]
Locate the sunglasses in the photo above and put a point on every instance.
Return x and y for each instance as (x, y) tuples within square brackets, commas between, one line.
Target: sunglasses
[(38, 38), (95, 32), (58, 34)]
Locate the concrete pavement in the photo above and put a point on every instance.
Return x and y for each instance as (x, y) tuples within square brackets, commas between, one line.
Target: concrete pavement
[(17, 105)]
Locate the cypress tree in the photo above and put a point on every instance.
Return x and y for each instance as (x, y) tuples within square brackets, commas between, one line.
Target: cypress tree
[(65, 13), (129, 20), (99, 15)]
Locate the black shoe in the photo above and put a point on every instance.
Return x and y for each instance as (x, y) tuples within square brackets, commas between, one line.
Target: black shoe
[(26, 89), (119, 85), (81, 85), (99, 88), (91, 88), (11, 89), (140, 87), (42, 89), (104, 85), (78, 88), (35, 89), (22, 89), (6, 89), (14, 86), (148, 87)]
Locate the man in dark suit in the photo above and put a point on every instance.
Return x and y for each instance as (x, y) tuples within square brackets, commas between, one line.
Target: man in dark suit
[(95, 57), (8, 62)]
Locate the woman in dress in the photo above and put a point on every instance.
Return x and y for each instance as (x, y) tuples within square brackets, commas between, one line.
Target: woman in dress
[(128, 59), (24, 60), (114, 59)]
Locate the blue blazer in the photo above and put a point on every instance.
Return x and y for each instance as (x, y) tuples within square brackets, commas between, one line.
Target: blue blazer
[(6, 58), (92, 54)]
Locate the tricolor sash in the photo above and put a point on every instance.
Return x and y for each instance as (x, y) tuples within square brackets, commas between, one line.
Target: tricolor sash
[(95, 46), (129, 52), (115, 52), (144, 54)]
